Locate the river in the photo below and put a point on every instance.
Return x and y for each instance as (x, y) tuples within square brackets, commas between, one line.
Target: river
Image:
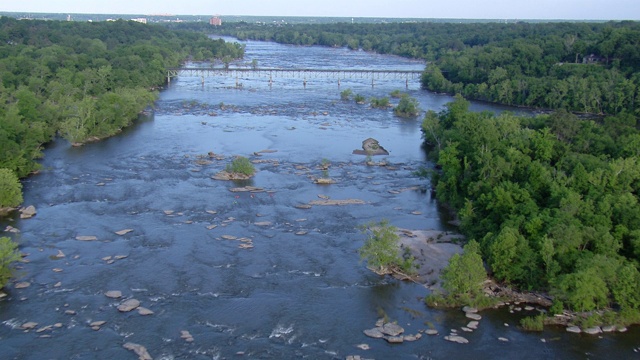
[(301, 291)]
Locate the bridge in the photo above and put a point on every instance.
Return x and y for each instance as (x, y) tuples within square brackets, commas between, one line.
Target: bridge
[(304, 74)]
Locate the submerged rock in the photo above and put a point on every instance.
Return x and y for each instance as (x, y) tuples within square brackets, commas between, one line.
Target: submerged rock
[(113, 294), (140, 350)]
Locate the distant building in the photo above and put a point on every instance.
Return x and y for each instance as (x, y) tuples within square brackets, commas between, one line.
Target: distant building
[(593, 59), (215, 21), (140, 20)]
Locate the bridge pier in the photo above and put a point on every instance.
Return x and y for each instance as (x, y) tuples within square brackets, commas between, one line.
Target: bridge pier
[(338, 83)]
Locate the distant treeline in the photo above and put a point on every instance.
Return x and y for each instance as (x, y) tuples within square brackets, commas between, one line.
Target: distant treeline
[(83, 80), (580, 67)]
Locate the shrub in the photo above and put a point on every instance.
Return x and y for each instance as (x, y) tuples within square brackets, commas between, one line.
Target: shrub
[(360, 99), (346, 94), (407, 107), (241, 165), (8, 255), (396, 94), (10, 189), (380, 103), (533, 323), (380, 250)]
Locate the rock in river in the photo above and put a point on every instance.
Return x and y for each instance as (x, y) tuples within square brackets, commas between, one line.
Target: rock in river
[(375, 333), (129, 305), (371, 147), (140, 350), (28, 212), (574, 329), (392, 329), (457, 339), (113, 294), (473, 316)]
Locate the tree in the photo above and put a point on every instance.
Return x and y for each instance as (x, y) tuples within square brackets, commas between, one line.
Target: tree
[(381, 252), (462, 278), (8, 255), (10, 189), (407, 107)]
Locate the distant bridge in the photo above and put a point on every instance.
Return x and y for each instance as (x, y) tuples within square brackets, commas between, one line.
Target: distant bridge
[(304, 74)]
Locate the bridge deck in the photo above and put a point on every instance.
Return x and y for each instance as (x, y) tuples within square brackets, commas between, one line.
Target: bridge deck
[(296, 73), (272, 73)]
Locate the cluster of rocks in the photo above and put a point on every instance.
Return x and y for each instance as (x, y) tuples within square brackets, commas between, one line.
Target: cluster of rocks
[(129, 304), (245, 243), (595, 330), (391, 332)]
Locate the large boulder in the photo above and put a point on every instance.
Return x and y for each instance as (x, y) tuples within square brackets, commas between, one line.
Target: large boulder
[(371, 147)]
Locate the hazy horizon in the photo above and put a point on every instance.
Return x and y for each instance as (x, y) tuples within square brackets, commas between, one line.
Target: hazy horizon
[(410, 9)]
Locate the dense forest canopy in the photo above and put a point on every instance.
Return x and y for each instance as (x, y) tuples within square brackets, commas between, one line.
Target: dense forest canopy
[(552, 200), (83, 80), (580, 67)]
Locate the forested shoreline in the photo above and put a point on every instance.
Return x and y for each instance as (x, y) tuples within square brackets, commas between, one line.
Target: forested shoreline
[(80, 81), (551, 200), (83, 80), (577, 66)]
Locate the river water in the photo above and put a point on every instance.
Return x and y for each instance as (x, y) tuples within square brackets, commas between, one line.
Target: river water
[(301, 291)]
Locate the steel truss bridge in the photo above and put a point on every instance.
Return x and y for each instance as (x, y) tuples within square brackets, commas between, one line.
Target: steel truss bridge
[(304, 74)]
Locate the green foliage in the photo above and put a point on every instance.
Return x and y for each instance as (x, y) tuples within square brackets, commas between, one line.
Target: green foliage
[(533, 323), (359, 99), (10, 189), (381, 251), (553, 200), (346, 94), (462, 278), (8, 256), (407, 107), (381, 103), (396, 94), (241, 165), (83, 80)]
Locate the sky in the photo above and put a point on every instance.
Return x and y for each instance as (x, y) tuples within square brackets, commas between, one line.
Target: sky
[(449, 9)]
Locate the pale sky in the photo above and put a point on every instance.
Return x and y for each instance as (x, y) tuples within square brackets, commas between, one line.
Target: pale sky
[(467, 9)]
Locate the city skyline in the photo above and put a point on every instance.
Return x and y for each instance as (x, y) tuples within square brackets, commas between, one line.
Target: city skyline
[(454, 9)]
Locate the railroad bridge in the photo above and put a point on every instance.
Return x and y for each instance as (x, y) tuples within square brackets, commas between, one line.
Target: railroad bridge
[(304, 74)]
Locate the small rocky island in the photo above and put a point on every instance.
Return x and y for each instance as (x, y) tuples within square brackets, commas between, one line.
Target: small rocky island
[(371, 147)]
